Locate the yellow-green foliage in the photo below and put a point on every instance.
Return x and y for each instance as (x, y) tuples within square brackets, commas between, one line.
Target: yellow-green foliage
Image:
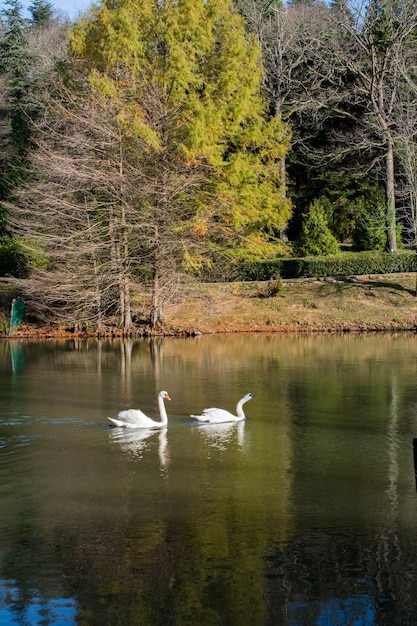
[(194, 59)]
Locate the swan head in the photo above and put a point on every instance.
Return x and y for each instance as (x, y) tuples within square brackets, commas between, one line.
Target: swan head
[(248, 396), (164, 395)]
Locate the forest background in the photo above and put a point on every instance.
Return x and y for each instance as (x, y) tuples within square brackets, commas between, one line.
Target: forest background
[(153, 145)]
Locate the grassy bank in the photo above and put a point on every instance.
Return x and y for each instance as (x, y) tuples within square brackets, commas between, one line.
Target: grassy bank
[(366, 303)]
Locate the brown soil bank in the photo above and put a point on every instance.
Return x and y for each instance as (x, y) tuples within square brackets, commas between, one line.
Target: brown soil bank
[(357, 304), (362, 303)]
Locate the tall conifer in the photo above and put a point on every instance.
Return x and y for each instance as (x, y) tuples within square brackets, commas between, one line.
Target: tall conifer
[(198, 58), (14, 124), (184, 80)]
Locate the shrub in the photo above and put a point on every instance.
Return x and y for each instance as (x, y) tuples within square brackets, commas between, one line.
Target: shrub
[(13, 261), (272, 288), (316, 238)]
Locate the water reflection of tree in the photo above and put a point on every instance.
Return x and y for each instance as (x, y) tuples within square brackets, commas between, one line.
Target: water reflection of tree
[(308, 578), (191, 560), (390, 553), (315, 579)]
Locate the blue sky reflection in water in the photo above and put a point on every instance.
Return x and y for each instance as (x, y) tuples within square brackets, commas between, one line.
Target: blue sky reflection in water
[(355, 611), (303, 515), (39, 610)]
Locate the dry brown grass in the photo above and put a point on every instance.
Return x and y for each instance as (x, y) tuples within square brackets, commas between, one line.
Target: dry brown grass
[(364, 303)]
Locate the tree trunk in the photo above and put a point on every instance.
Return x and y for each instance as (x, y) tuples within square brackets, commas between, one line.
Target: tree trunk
[(390, 190), (156, 312), (126, 316), (156, 309), (128, 309)]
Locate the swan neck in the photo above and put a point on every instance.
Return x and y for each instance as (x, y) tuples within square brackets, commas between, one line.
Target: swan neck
[(162, 410), (239, 408)]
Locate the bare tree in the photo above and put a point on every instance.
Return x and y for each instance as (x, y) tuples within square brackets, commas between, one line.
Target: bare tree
[(47, 47), (168, 185), (344, 63), (406, 144), (106, 209), (301, 65), (75, 213), (304, 79), (375, 39)]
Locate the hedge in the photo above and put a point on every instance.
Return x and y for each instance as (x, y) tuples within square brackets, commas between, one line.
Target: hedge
[(344, 264)]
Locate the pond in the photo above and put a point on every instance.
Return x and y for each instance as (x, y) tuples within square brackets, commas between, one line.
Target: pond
[(303, 514)]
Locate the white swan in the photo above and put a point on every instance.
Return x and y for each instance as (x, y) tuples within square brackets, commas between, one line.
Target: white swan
[(135, 418), (217, 416)]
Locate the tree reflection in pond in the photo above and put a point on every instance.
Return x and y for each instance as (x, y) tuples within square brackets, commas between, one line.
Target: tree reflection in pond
[(303, 514)]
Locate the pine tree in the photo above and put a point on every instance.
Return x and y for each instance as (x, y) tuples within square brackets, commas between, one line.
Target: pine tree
[(15, 64), (20, 69), (198, 56), (184, 79), (41, 11), (316, 238), (14, 125)]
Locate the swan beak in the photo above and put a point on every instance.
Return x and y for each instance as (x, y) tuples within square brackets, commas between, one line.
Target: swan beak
[(167, 397)]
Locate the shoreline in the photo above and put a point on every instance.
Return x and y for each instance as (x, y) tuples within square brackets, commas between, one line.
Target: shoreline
[(362, 304), (57, 335)]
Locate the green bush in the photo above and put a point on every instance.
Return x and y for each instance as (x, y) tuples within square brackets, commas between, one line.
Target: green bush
[(345, 264), (316, 238), (13, 261)]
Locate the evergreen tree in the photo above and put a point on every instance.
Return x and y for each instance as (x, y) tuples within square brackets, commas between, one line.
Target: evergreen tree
[(14, 105), (315, 238), (15, 64), (184, 81), (28, 49), (370, 232), (41, 11)]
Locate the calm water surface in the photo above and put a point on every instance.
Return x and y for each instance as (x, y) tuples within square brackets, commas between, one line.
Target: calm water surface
[(304, 514)]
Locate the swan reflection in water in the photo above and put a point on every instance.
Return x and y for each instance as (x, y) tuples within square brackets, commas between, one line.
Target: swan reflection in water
[(137, 441), (221, 436)]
